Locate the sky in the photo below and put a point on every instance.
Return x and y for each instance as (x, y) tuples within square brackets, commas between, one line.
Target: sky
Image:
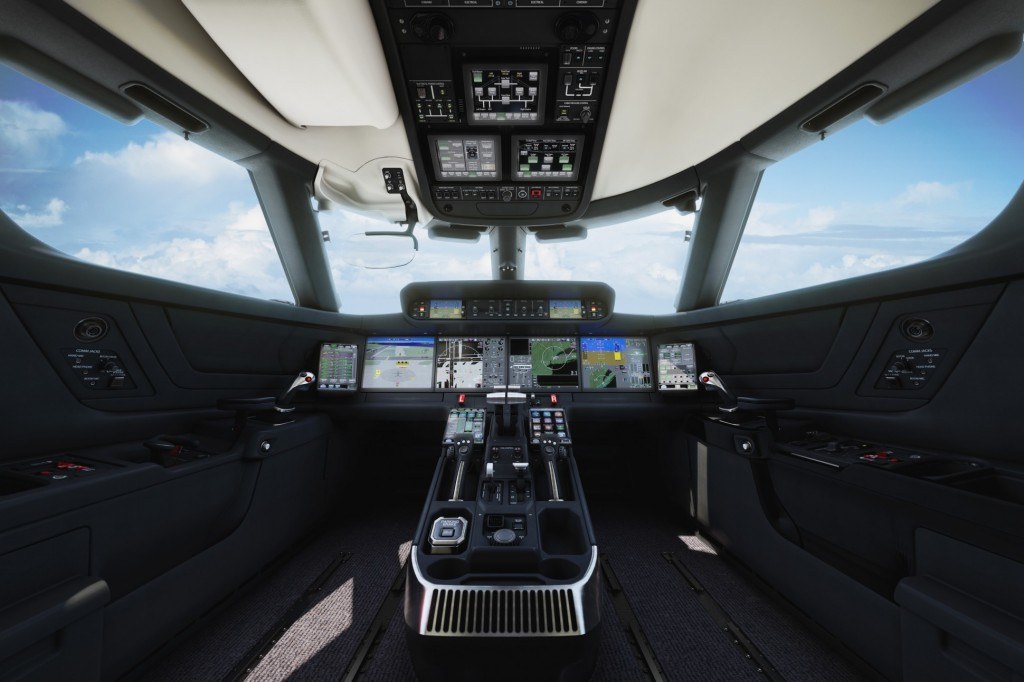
[(143, 199)]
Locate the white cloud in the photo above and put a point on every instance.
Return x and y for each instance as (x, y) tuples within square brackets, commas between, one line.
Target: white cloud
[(925, 192), (242, 259), (28, 135), (51, 215), (163, 159)]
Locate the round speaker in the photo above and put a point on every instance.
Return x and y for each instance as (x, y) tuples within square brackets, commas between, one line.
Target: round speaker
[(91, 329), (916, 329)]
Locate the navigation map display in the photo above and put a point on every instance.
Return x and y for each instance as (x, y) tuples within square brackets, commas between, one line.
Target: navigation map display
[(337, 370), (505, 94), (619, 363), (547, 158), (677, 367), (467, 363), (398, 363), (543, 363)]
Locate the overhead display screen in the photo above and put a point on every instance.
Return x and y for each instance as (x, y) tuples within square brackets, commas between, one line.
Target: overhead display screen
[(571, 309), (677, 367), (446, 309), (543, 363), (615, 363), (466, 157), (547, 158), (508, 95), (337, 367), (468, 363), (396, 363)]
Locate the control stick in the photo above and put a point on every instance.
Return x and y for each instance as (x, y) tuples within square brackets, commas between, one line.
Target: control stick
[(284, 401), (549, 452), (714, 382)]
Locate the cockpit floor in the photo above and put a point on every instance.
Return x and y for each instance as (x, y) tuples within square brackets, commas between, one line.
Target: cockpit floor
[(364, 553)]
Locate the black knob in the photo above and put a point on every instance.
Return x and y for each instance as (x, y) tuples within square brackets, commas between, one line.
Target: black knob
[(504, 536), (434, 28), (506, 195), (576, 27), (463, 449), (439, 32), (585, 116)]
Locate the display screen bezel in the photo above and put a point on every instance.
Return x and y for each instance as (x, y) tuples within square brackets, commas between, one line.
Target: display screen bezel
[(480, 337), (513, 153), (409, 389), (544, 337), (499, 173), (467, 79), (355, 368), (657, 369), (617, 389)]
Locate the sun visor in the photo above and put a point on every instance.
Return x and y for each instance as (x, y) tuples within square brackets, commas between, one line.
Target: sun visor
[(318, 62)]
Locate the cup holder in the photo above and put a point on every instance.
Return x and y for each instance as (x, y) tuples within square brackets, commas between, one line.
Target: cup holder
[(448, 569), (561, 532)]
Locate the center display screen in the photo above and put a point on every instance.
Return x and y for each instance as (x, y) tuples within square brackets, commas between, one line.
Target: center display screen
[(503, 94), (446, 309), (398, 363), (467, 363), (618, 362), (543, 363), (547, 158), (571, 309)]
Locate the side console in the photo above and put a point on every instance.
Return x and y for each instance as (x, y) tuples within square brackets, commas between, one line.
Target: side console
[(504, 552)]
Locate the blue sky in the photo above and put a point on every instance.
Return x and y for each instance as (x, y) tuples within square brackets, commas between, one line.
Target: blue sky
[(871, 197)]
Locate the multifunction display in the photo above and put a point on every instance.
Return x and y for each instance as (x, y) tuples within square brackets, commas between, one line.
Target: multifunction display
[(337, 367), (468, 363), (505, 95), (619, 362), (543, 363), (677, 367), (547, 158), (397, 363), (466, 157)]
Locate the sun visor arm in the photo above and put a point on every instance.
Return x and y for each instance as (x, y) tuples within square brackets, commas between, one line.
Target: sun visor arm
[(363, 190)]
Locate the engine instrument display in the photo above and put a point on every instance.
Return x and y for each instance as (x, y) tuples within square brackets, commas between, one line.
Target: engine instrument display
[(466, 157), (337, 367), (618, 363), (508, 95), (570, 309), (398, 363), (677, 367), (547, 158), (543, 362), (468, 363)]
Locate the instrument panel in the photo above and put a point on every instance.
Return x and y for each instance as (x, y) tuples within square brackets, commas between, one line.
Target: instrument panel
[(467, 364), (582, 308)]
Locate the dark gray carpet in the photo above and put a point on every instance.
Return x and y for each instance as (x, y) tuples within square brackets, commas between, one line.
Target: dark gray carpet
[(320, 644), (687, 641)]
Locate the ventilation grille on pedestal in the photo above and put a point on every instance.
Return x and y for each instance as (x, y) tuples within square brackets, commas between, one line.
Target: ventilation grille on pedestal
[(495, 611)]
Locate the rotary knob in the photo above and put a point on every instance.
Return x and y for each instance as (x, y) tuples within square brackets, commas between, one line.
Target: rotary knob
[(504, 536), (506, 195)]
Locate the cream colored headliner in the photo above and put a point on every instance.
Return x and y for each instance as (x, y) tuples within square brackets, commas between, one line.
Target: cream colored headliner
[(697, 76)]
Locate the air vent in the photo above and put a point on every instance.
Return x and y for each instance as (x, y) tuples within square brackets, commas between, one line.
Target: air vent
[(843, 107), (493, 611), (163, 107), (91, 329)]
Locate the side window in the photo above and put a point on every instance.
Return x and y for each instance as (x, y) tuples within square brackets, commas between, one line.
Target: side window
[(135, 198), (873, 197)]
